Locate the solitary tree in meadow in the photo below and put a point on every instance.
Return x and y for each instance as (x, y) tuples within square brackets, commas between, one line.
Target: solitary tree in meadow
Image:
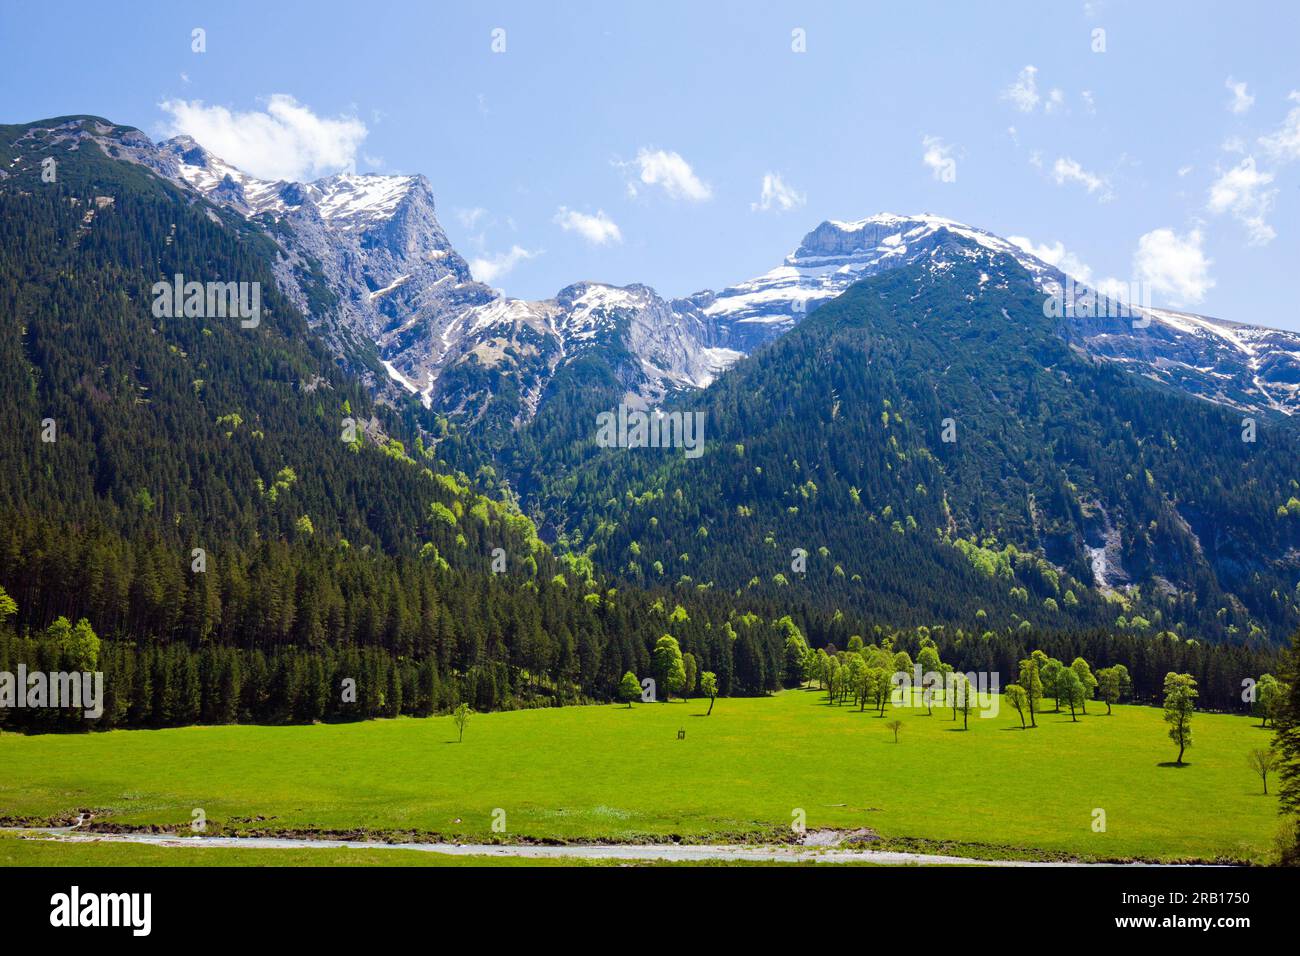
[(461, 716), (629, 689), (895, 726), (1263, 762), (962, 693), (1033, 685), (709, 687), (1180, 702), (1017, 698)]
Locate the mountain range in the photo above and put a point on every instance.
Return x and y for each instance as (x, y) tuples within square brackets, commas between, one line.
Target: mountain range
[(403, 288), (1098, 472)]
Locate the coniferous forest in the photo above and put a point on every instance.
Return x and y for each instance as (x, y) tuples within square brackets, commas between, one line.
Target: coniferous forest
[(244, 528)]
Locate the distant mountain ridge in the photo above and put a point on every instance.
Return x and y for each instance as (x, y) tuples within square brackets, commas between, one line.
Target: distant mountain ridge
[(1071, 493), (366, 258)]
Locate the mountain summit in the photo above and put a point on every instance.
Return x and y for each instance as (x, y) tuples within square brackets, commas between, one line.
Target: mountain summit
[(365, 258), (900, 393)]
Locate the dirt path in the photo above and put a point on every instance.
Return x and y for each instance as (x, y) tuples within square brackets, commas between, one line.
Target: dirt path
[(669, 852)]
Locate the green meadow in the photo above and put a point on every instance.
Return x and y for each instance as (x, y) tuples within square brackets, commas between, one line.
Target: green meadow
[(611, 773)]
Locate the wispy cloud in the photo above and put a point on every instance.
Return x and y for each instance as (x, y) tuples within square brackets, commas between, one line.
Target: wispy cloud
[(598, 229), (776, 194), (1066, 170), (491, 268), (1243, 191), (1057, 255), (287, 140), (1241, 100), (470, 218), (668, 171), (1283, 145), (937, 157), (1023, 93)]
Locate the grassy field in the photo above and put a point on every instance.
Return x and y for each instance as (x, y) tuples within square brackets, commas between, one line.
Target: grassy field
[(613, 773)]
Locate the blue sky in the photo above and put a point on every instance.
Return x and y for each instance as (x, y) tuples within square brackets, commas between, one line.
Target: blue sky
[(630, 142)]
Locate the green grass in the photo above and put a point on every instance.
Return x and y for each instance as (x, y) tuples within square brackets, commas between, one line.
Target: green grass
[(610, 773)]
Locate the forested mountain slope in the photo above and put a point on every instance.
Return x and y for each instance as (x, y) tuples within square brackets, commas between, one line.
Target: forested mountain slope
[(135, 442), (246, 526), (1071, 492)]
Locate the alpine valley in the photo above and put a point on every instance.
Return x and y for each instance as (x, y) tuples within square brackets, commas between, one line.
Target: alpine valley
[(899, 431)]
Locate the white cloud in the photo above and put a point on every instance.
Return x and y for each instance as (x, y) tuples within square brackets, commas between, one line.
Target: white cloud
[(1023, 93), (1284, 144), (598, 229), (1089, 103), (286, 141), (1173, 265), (776, 194), (1243, 191), (937, 157), (1055, 255), (1233, 144), (1066, 170), (469, 218), (1055, 101), (490, 268), (1184, 170), (1241, 100), (670, 172)]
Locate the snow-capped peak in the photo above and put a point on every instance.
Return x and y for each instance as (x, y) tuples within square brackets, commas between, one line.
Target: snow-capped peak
[(352, 201), (348, 201)]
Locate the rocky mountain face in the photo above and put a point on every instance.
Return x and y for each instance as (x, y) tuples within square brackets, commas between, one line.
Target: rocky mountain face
[(898, 396), (932, 424), (367, 261), (397, 283), (1250, 367)]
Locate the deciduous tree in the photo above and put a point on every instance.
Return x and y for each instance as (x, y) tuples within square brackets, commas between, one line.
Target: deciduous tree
[(1180, 702)]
